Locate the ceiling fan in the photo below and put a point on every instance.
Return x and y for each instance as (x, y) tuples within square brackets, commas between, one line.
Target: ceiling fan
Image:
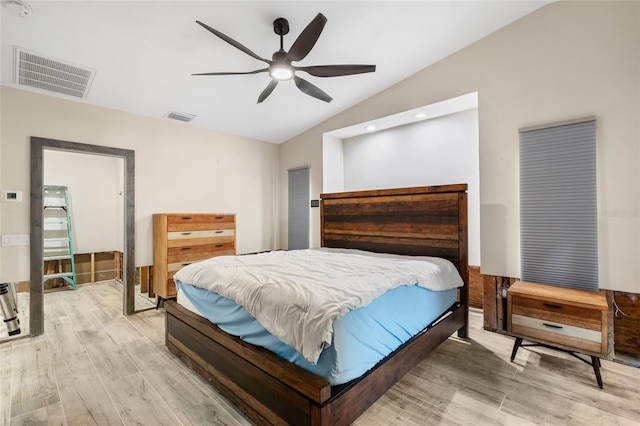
[(280, 67)]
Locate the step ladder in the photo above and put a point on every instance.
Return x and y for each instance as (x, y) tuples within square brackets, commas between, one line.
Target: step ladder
[(56, 231)]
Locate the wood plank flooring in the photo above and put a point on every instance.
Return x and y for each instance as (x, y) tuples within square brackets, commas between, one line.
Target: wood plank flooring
[(95, 366)]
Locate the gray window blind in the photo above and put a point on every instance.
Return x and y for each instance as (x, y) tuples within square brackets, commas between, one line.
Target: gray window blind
[(558, 205), (298, 209)]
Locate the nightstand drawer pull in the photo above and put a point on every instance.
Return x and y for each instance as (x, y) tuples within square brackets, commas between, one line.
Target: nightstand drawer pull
[(219, 232), (186, 217), (549, 305), (551, 325), (186, 233), (187, 264), (219, 245), (186, 248)]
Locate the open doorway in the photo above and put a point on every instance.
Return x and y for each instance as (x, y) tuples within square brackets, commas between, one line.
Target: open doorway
[(36, 292), (83, 219)]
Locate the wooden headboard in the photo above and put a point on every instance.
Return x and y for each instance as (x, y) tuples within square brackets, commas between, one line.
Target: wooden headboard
[(417, 221)]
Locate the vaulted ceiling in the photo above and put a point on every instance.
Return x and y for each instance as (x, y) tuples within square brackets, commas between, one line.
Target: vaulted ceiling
[(144, 53)]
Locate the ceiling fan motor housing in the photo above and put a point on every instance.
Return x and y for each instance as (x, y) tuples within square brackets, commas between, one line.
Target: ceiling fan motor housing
[(281, 26)]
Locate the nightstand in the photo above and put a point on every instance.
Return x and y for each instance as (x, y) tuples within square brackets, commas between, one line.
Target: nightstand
[(571, 320)]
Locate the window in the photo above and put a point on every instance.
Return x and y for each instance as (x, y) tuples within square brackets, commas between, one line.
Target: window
[(558, 205)]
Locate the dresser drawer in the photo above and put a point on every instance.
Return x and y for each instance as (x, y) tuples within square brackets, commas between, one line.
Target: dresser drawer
[(174, 266), (210, 233), (171, 288), (200, 218), (199, 222), (187, 253), (198, 238)]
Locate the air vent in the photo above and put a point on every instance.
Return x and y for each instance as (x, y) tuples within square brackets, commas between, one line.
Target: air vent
[(180, 116), (39, 72)]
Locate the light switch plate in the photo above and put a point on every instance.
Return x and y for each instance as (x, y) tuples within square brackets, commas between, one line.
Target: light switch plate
[(15, 240)]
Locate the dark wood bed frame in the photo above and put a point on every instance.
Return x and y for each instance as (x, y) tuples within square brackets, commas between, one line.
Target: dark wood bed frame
[(425, 221)]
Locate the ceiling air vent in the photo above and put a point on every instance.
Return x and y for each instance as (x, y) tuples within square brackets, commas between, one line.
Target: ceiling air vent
[(39, 72), (180, 116)]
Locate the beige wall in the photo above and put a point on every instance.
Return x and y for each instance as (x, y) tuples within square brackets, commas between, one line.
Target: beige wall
[(179, 168), (566, 60), (96, 205)]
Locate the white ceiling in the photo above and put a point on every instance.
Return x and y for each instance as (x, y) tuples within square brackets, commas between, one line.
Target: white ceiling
[(145, 52)]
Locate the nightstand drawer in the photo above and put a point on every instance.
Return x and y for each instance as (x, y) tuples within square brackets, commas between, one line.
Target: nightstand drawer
[(558, 312), (555, 328), (566, 337)]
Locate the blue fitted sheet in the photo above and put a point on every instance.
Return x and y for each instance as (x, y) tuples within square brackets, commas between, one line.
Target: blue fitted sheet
[(361, 338)]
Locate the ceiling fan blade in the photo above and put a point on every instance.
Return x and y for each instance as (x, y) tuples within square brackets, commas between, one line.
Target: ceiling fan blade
[(233, 42), (307, 38), (267, 91), (311, 90), (336, 70), (234, 73)]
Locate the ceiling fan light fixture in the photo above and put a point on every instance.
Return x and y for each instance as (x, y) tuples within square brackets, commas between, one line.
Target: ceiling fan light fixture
[(281, 72)]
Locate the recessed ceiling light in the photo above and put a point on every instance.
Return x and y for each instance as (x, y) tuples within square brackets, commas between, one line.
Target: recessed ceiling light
[(419, 115), (370, 128)]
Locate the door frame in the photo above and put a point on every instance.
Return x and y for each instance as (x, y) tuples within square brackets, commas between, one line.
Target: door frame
[(36, 287)]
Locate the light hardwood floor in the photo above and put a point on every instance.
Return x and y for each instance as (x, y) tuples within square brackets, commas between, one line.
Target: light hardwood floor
[(95, 366)]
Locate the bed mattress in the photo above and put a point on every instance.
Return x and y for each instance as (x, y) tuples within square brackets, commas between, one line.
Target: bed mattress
[(361, 338)]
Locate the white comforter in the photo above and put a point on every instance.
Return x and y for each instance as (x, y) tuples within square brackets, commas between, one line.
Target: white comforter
[(297, 295)]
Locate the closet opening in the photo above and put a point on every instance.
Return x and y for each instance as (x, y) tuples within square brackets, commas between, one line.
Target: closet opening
[(36, 292)]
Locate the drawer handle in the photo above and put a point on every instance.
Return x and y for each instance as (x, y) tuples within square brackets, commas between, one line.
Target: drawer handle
[(186, 248), (187, 217), (186, 264), (551, 325), (549, 305), (219, 232), (186, 233), (218, 245), (219, 217)]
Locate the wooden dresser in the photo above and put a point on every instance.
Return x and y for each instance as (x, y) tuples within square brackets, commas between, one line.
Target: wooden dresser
[(568, 319), (183, 238)]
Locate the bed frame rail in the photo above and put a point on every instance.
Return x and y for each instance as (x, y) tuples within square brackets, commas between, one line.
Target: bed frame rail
[(269, 390)]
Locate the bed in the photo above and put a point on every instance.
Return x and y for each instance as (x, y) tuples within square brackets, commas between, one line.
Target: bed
[(418, 221)]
